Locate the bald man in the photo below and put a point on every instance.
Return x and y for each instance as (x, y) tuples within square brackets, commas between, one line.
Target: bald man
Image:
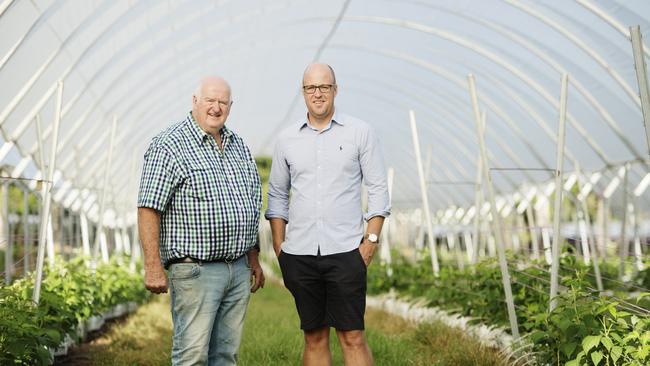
[(320, 162), (198, 215)]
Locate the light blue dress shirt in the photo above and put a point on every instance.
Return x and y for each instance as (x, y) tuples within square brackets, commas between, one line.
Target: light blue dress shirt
[(315, 184)]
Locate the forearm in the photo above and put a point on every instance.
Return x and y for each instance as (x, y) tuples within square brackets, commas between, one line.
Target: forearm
[(374, 225), (149, 229), (278, 229)]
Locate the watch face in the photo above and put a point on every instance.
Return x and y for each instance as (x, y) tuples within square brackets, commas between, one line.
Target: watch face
[(373, 238)]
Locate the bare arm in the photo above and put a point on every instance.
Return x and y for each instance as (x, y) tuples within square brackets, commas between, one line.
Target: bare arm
[(367, 249), (155, 279), (278, 228)]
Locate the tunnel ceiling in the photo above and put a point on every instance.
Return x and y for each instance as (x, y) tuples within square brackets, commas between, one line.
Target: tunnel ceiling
[(138, 62)]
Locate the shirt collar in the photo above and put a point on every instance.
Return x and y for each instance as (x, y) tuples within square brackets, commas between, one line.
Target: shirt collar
[(335, 118), (199, 135)]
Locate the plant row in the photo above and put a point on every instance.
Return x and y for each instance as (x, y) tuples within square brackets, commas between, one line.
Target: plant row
[(71, 293), (585, 328)]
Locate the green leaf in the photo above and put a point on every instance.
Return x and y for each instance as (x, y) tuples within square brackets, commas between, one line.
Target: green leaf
[(568, 348), (537, 335), (573, 363), (44, 355), (53, 334), (616, 353), (565, 323), (643, 352), (596, 357), (590, 342), (607, 342), (613, 311)]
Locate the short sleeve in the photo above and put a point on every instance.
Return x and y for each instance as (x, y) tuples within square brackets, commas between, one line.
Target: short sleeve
[(160, 175)]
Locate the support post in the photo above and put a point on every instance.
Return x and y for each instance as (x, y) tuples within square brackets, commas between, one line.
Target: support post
[(557, 208), (623, 246), (85, 242), (6, 233), (591, 239), (532, 228), (641, 78), (478, 200), (496, 218), (47, 197), (425, 195), (27, 240)]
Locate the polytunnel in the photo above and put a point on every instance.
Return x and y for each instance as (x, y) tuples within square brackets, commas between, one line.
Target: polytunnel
[(515, 133)]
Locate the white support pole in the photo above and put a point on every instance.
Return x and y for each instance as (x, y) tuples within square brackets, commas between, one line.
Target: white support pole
[(641, 78), (48, 195), (102, 203), (27, 240), (532, 228), (589, 235), (76, 232), (50, 239), (623, 245), (425, 195), (478, 199), (419, 241), (557, 207), (85, 243), (6, 234), (519, 223), (60, 223), (638, 255), (496, 219), (605, 228), (581, 226)]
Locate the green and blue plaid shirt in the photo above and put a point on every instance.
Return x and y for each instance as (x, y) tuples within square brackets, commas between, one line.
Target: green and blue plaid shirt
[(209, 199)]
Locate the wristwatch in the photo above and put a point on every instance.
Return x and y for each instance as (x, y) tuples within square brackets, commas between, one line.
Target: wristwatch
[(373, 238)]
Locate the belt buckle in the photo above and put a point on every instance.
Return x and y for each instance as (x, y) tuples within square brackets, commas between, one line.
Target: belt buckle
[(229, 259)]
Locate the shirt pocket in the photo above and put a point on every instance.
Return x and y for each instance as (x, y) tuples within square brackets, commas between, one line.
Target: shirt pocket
[(204, 183)]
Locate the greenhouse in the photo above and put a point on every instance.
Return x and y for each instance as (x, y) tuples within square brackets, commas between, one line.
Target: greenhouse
[(510, 138)]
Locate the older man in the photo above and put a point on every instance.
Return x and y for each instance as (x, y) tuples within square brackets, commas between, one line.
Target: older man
[(198, 216), (321, 161)]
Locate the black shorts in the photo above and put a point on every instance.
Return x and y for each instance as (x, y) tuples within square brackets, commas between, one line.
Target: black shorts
[(329, 290)]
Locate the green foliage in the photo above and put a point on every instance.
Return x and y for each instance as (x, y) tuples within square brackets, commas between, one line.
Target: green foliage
[(16, 203), (559, 336), (623, 339), (70, 293)]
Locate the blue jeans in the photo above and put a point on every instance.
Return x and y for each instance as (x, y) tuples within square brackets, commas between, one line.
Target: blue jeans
[(208, 304)]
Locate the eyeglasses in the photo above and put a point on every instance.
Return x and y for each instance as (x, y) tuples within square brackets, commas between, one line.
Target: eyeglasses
[(324, 88)]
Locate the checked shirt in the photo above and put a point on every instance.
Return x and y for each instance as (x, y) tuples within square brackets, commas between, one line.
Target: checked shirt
[(209, 199)]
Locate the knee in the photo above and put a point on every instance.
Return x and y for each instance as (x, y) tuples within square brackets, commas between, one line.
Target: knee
[(317, 338), (352, 339)]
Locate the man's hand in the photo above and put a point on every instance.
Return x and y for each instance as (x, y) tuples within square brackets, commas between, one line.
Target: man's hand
[(367, 250), (155, 279), (257, 275)]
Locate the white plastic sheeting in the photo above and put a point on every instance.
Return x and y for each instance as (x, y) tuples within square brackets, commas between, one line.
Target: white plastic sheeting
[(141, 60)]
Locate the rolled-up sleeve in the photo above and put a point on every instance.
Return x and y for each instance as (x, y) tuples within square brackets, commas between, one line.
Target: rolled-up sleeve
[(374, 176), (279, 185)]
